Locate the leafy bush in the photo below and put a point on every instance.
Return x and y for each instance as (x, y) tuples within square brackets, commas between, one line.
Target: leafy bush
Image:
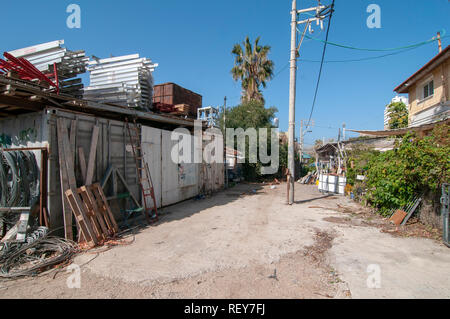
[(416, 166)]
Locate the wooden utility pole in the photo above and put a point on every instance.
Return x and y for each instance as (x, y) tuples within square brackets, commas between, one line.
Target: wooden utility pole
[(439, 41)]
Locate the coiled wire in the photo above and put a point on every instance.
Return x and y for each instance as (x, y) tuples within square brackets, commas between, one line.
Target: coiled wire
[(38, 256), (19, 179)]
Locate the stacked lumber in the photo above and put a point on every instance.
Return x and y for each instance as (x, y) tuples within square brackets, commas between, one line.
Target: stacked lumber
[(69, 64)]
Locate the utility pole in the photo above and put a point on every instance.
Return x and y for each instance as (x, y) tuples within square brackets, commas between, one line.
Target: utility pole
[(343, 131), (224, 137), (439, 42), (318, 17), (302, 135), (292, 87)]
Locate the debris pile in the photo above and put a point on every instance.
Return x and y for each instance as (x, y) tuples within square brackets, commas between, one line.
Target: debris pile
[(69, 64), (125, 80), (309, 179), (35, 256)]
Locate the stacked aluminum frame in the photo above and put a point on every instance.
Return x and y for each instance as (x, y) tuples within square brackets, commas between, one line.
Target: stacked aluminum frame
[(125, 80), (69, 64)]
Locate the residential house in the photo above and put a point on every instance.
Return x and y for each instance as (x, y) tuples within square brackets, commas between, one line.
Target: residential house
[(428, 91)]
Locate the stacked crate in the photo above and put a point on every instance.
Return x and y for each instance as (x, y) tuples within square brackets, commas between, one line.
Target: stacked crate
[(184, 100)]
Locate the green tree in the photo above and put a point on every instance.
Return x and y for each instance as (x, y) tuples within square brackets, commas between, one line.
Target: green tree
[(252, 67), (251, 114), (398, 113)]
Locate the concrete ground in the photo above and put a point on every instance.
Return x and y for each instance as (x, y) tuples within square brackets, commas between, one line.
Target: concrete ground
[(247, 243)]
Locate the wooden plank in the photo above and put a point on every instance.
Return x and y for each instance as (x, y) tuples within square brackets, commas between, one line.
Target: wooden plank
[(76, 204), (398, 217), (81, 218), (14, 209), (91, 216), (43, 189), (22, 226), (101, 199), (92, 154), (11, 234), (102, 207), (73, 134), (82, 162), (64, 182), (69, 159), (97, 216)]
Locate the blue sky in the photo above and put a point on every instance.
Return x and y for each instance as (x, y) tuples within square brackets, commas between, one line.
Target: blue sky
[(192, 41)]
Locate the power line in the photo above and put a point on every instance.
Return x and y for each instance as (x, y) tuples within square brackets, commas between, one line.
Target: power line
[(321, 66), (378, 50), (363, 59), (359, 60)]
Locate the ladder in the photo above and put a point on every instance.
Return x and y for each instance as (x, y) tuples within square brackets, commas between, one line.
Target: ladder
[(143, 172)]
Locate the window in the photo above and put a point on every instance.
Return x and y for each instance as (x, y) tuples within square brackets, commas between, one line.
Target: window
[(428, 89)]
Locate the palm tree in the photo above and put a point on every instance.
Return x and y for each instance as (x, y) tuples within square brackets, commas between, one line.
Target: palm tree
[(253, 67)]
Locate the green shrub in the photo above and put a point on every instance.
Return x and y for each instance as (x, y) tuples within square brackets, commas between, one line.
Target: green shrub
[(417, 166)]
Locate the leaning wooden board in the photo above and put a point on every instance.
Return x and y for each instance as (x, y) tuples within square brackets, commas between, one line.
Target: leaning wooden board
[(64, 180), (81, 218)]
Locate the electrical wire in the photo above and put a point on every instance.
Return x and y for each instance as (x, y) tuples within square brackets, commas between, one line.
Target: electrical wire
[(19, 179), (321, 66), (415, 45), (362, 59), (31, 259)]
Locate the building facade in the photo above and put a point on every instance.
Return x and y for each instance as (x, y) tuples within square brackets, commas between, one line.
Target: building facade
[(428, 91)]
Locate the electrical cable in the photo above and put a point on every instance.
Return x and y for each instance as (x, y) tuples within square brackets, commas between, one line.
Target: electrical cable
[(30, 259), (321, 66), (362, 59), (19, 179), (415, 45)]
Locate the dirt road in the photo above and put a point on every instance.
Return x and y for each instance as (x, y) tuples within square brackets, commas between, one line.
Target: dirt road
[(247, 243)]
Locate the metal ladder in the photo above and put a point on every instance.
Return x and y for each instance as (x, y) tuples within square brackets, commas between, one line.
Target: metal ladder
[(143, 171)]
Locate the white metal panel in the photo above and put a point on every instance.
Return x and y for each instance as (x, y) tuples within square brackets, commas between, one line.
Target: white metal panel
[(151, 146), (170, 188)]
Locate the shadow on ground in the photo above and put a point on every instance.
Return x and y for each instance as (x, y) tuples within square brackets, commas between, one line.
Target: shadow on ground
[(193, 206)]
